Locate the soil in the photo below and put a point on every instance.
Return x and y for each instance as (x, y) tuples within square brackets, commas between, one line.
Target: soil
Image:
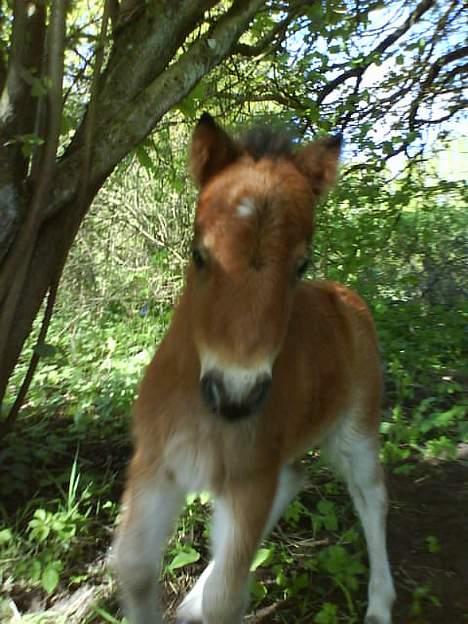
[(433, 501), (428, 512)]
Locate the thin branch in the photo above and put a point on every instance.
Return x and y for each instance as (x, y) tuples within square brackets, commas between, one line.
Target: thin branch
[(277, 32), (431, 76), (419, 11), (10, 420), (349, 113), (438, 31), (90, 121), (453, 111), (56, 38), (17, 105), (89, 128), (135, 119)]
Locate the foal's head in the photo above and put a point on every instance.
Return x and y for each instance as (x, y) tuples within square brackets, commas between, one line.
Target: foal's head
[(253, 226)]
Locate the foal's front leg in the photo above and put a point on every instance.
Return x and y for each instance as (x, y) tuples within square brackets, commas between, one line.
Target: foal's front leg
[(150, 509), (240, 518), (239, 522)]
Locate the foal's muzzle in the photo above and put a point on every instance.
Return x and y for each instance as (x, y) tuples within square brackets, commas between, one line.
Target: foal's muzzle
[(230, 403)]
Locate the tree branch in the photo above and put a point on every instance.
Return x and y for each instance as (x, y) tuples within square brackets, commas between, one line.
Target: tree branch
[(137, 118), (419, 11), (17, 104), (277, 31), (90, 120), (160, 30), (451, 112), (9, 421), (431, 76), (15, 268)]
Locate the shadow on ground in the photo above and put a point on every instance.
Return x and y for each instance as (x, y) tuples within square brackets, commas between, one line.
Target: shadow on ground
[(428, 545)]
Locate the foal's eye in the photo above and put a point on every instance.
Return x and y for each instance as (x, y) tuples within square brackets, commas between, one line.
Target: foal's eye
[(198, 258), (302, 267)]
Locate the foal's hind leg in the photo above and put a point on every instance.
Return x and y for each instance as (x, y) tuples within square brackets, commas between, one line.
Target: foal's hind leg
[(241, 519), (355, 455), (150, 510), (291, 480)]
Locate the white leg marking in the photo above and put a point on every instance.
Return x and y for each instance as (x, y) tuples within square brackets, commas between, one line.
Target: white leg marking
[(191, 610), (291, 480), (137, 550), (356, 458), (222, 603), (212, 602)]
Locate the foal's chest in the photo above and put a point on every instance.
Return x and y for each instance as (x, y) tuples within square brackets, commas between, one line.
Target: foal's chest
[(203, 459)]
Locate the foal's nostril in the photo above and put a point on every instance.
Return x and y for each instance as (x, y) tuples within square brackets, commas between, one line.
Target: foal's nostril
[(231, 404), (258, 393), (211, 386)]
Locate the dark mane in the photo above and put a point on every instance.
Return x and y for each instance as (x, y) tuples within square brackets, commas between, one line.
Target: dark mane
[(263, 142)]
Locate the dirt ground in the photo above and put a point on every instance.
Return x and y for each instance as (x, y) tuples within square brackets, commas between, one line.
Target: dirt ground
[(428, 546), (433, 501)]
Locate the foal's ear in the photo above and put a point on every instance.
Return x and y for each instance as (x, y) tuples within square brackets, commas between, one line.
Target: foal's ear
[(319, 162), (212, 149)]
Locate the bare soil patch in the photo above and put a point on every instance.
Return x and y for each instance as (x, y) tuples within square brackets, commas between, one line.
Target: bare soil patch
[(428, 546)]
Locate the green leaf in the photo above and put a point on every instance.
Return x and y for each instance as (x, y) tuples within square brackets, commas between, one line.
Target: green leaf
[(191, 498), (328, 614), (313, 113), (28, 143), (5, 536), (325, 507), (50, 578), (205, 498), (433, 545), (39, 87), (330, 522), (35, 570), (40, 514), (184, 558), (258, 590), (262, 556), (144, 158)]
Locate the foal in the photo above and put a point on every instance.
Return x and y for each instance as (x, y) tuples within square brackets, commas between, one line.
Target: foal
[(257, 366)]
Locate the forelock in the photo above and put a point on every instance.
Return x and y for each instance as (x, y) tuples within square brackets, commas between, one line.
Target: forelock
[(263, 142)]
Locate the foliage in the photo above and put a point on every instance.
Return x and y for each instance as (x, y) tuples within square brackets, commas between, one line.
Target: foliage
[(368, 235), (394, 229)]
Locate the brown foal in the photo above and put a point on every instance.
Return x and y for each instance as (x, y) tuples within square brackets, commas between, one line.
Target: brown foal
[(256, 367)]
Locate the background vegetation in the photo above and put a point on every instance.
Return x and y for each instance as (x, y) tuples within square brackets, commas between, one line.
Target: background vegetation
[(394, 229)]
